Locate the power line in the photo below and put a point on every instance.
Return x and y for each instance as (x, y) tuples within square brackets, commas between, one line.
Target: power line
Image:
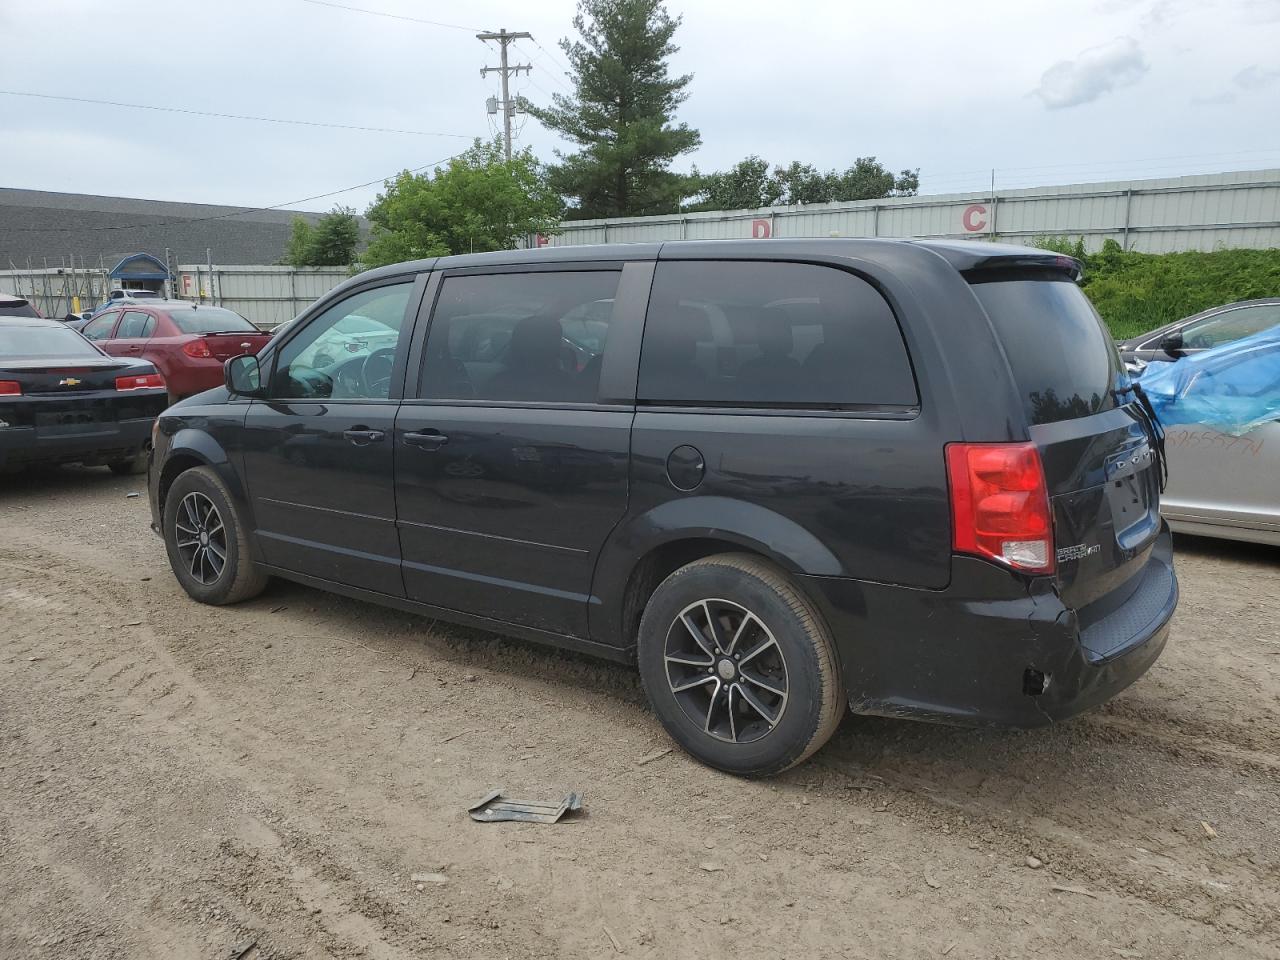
[(246, 210), (230, 116), (559, 63), (551, 73), (391, 16)]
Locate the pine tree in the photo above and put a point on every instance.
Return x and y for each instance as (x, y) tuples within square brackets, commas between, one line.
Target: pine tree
[(622, 112)]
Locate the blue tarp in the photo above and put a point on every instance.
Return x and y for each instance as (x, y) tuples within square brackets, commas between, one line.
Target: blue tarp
[(1233, 388)]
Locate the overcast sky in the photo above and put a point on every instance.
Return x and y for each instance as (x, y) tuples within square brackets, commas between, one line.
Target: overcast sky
[(1043, 92)]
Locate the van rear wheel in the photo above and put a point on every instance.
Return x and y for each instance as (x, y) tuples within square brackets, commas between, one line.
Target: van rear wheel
[(739, 666)]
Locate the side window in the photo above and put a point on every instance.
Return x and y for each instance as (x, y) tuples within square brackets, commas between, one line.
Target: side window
[(347, 352), (1230, 326), (770, 334), (135, 325), (100, 327), (537, 337)]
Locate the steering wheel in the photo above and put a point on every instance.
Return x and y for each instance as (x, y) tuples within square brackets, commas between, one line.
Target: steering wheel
[(376, 372)]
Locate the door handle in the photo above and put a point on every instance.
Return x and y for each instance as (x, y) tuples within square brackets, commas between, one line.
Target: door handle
[(135, 348), (363, 436), (427, 440)]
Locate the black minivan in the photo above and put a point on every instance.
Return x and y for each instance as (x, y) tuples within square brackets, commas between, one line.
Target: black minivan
[(781, 475)]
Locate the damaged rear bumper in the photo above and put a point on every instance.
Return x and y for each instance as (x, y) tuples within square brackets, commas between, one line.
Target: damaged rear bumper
[(993, 648)]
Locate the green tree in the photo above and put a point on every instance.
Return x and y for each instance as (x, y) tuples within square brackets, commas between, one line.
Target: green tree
[(867, 179), (621, 113), (479, 202), (746, 184), (298, 249), (750, 184), (331, 242)]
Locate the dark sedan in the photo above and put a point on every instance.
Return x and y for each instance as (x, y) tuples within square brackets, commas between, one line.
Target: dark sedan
[(1210, 328), (62, 400)]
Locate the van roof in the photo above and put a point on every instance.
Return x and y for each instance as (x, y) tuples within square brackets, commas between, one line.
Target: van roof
[(963, 255)]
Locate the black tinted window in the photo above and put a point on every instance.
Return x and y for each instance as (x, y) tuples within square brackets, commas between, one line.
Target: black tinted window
[(16, 308), (519, 336), (1063, 361), (771, 334)]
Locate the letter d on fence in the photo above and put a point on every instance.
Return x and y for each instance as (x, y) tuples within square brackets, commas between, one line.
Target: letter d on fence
[(761, 230)]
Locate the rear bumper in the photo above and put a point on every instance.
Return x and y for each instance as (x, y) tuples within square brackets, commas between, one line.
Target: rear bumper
[(993, 649), (194, 376), (119, 440)]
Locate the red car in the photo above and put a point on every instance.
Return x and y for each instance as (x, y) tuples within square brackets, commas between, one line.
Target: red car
[(187, 342)]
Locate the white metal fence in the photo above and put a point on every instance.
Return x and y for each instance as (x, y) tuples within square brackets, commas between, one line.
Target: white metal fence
[(266, 295), (1152, 216)]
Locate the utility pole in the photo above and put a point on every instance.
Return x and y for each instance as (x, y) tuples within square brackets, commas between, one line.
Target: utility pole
[(508, 107)]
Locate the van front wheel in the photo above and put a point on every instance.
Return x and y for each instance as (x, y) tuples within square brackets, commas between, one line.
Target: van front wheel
[(739, 666)]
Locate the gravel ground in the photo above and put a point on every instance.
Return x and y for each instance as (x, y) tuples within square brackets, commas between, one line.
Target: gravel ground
[(264, 780)]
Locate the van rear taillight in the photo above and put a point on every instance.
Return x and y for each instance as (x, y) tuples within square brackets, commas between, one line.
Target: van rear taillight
[(1000, 504)]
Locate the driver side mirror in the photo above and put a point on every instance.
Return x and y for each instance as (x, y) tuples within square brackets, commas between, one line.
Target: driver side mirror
[(1172, 344), (243, 376)]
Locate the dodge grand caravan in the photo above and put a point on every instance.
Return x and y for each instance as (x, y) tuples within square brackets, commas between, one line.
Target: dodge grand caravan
[(781, 476)]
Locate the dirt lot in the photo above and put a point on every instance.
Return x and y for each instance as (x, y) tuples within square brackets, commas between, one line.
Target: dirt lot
[(181, 781)]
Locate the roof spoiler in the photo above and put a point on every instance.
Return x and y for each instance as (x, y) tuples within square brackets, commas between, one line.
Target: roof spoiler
[(978, 260)]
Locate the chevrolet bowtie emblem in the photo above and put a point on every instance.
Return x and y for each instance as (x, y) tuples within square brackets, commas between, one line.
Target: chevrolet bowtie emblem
[(68, 382)]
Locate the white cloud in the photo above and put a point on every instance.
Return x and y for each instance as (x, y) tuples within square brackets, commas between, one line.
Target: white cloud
[(1092, 74), (1255, 78)]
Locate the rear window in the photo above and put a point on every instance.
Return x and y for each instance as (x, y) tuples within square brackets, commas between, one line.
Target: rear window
[(768, 334), (17, 308), (38, 343), (210, 320), (1063, 361)]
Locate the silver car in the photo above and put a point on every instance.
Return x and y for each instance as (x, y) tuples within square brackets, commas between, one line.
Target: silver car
[(1203, 331), (1220, 484)]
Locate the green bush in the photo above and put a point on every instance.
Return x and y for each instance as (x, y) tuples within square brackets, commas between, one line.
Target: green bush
[(1136, 292)]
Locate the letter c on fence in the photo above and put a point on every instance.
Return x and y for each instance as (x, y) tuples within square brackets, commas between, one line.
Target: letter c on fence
[(761, 230), (974, 217)]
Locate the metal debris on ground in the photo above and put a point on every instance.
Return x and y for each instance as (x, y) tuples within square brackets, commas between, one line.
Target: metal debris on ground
[(493, 807), (132, 496)]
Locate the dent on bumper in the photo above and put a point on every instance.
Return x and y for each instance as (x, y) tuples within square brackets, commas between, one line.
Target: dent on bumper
[(977, 652)]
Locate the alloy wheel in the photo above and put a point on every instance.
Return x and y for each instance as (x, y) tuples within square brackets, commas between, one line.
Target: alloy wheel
[(201, 538), (726, 670)]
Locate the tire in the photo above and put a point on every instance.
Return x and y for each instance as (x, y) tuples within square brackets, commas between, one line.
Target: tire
[(188, 527), (783, 648), (129, 468)]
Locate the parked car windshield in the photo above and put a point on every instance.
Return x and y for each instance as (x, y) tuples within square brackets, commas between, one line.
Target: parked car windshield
[(32, 343), (1063, 361), (210, 320)]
